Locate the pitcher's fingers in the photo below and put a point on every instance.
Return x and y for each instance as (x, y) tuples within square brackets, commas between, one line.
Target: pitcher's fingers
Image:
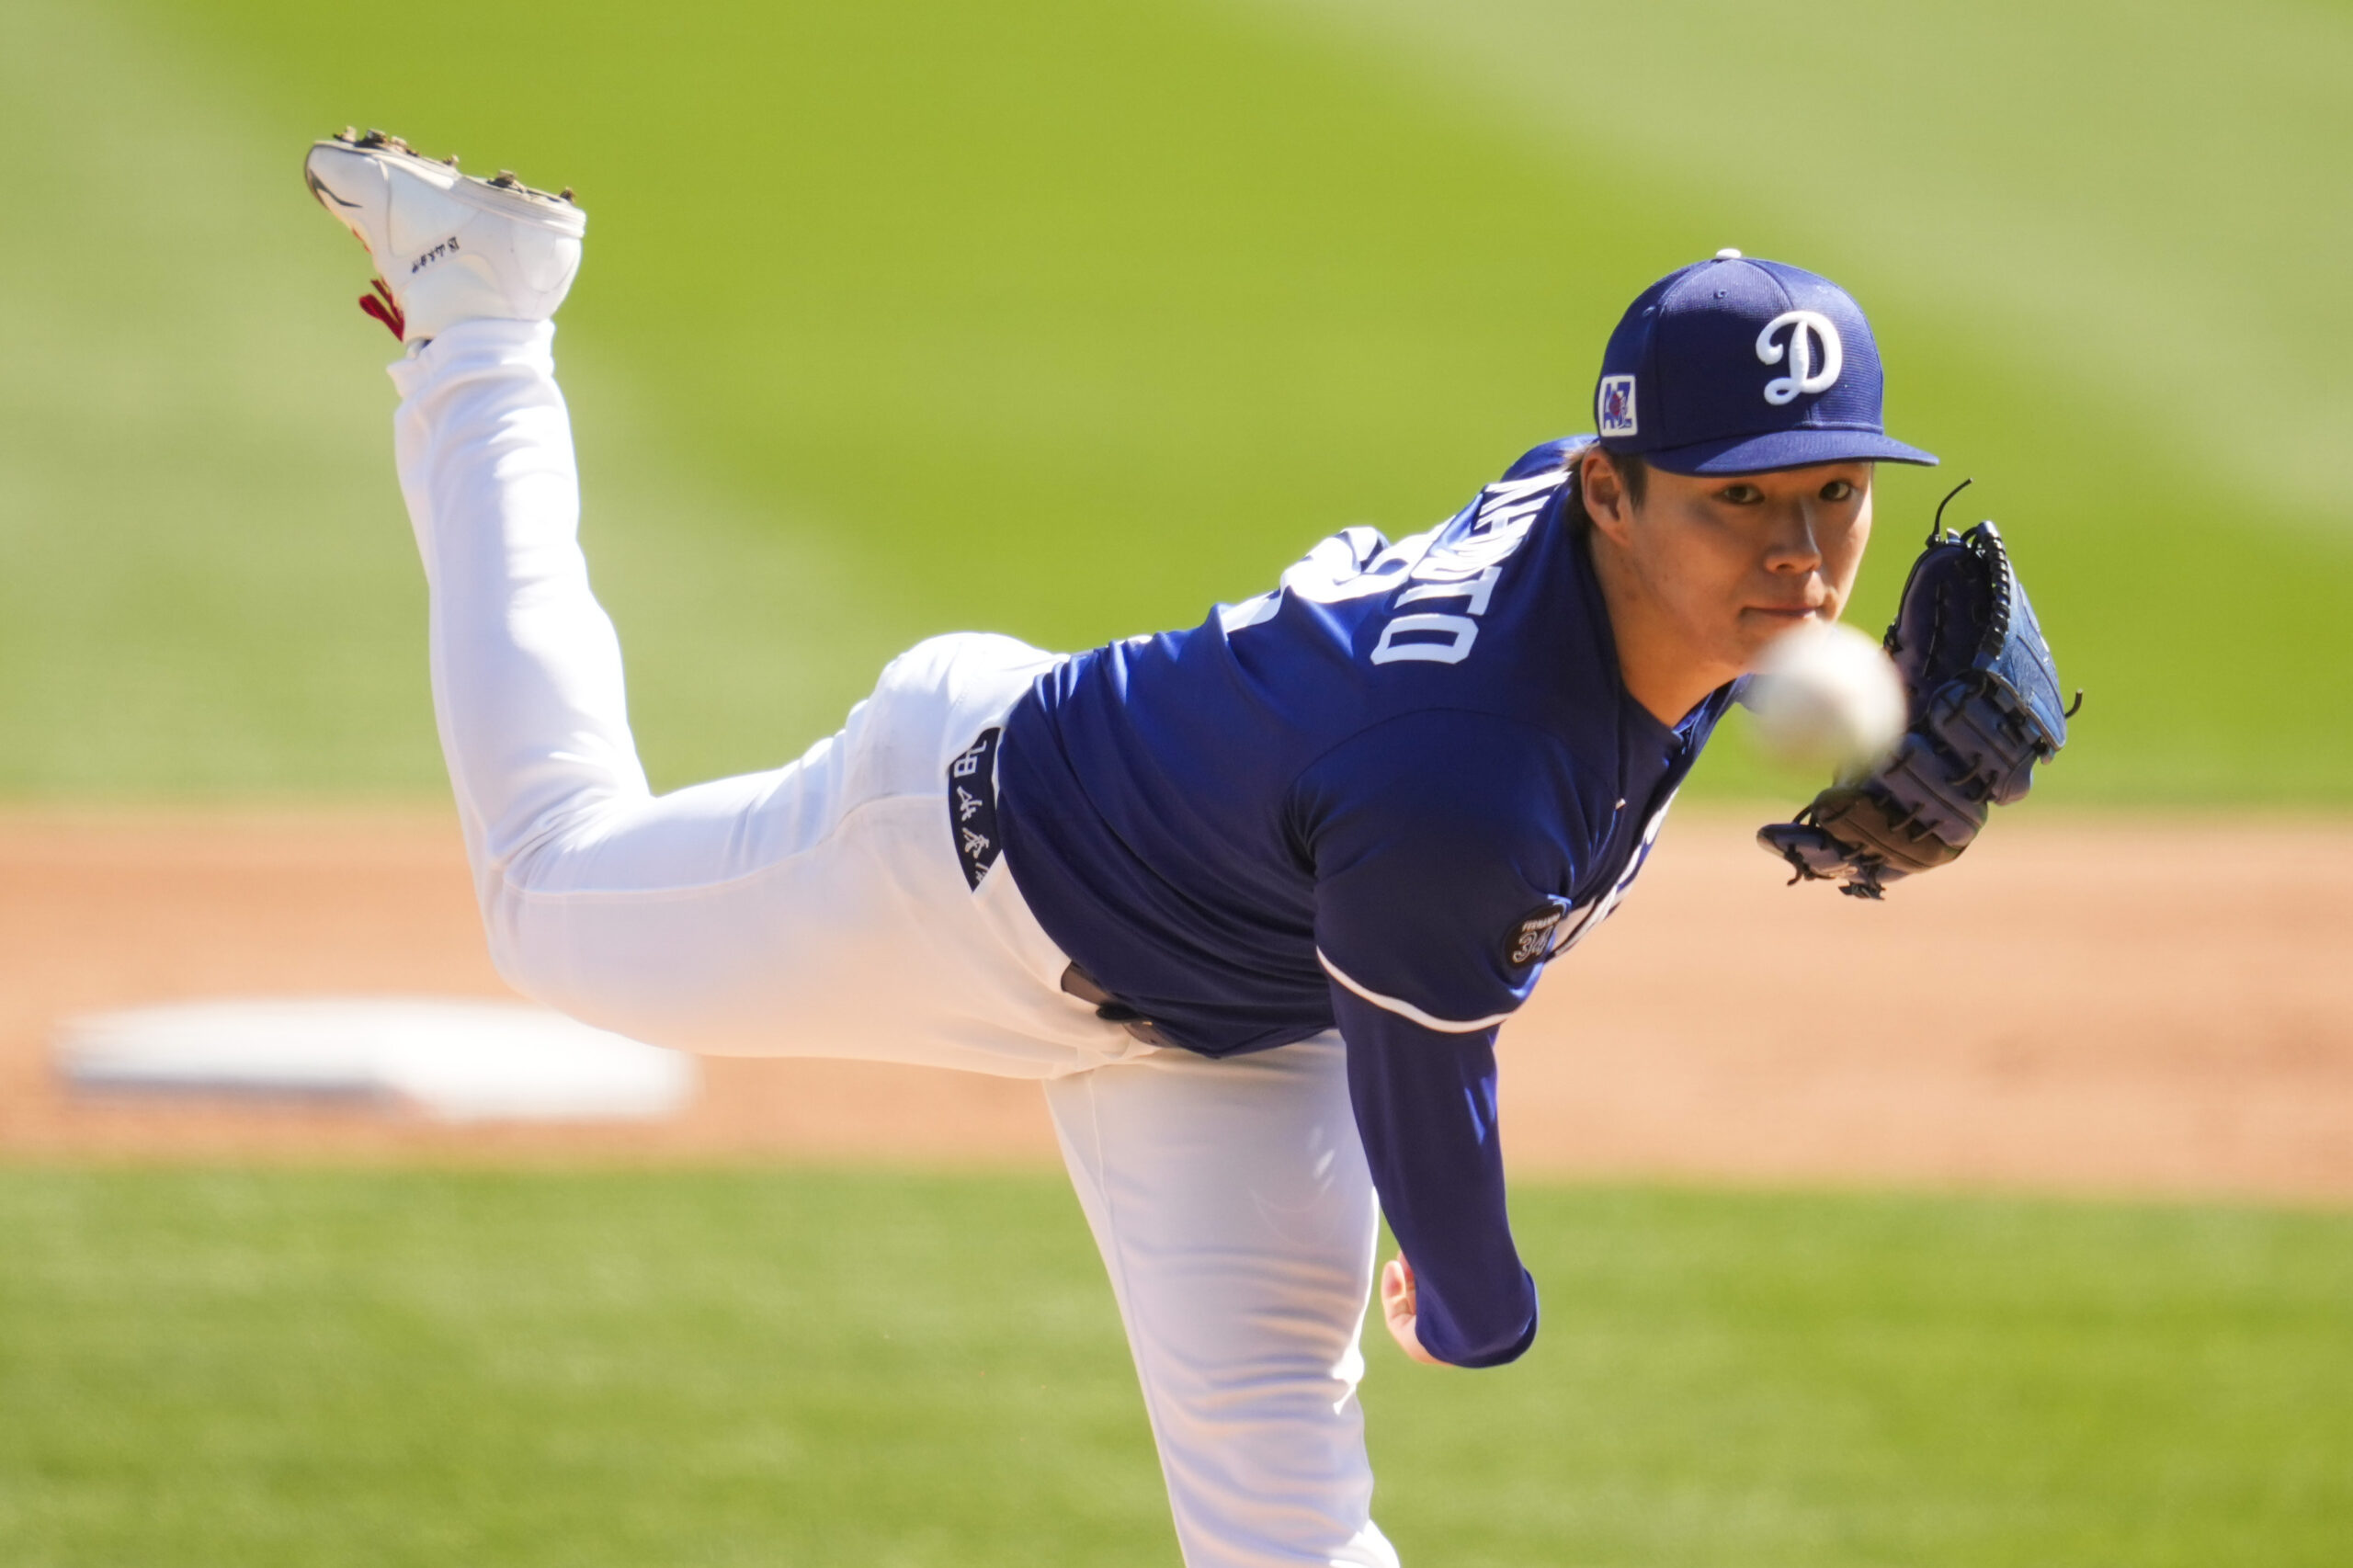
[(1397, 1287)]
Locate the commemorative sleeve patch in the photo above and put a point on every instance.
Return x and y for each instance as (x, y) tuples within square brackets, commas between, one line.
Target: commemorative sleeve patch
[(1532, 935)]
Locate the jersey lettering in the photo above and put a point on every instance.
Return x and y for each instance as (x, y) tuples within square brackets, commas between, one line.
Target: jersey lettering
[(1467, 567), (1354, 563), (1359, 563), (1478, 590), (1459, 632)]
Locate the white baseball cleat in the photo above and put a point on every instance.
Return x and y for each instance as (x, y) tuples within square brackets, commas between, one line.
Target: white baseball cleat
[(447, 248)]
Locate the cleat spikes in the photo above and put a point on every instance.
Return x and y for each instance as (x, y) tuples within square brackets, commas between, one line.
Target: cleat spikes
[(414, 214), (346, 134), (565, 194)]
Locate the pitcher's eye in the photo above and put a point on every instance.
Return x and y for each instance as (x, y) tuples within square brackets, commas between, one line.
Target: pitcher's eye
[(1740, 494), (1839, 490)]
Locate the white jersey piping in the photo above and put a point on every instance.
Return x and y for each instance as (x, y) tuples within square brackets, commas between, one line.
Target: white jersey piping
[(1404, 1009)]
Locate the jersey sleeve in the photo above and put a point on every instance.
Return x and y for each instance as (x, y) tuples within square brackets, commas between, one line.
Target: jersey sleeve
[(1441, 842), (1425, 1106)]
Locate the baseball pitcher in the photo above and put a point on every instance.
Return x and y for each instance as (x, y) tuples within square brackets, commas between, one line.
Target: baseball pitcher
[(1250, 900)]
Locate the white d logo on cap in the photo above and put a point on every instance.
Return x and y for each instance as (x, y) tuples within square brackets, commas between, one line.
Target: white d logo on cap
[(1807, 329)]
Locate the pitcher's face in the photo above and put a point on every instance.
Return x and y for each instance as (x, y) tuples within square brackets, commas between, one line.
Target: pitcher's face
[(1733, 561)]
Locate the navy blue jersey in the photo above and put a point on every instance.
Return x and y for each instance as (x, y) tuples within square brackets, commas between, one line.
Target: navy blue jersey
[(1381, 796)]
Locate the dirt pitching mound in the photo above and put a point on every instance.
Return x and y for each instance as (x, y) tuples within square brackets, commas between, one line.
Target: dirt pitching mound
[(2089, 1006)]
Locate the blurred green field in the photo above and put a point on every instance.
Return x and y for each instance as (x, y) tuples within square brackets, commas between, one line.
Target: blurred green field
[(1068, 319), (815, 1368)]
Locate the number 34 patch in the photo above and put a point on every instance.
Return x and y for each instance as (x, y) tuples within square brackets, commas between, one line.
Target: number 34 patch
[(1540, 933), (1555, 926)]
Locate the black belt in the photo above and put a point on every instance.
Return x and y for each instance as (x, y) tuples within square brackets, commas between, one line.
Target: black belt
[(1111, 1009)]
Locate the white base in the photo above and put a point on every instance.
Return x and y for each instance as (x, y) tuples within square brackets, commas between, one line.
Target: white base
[(455, 1060)]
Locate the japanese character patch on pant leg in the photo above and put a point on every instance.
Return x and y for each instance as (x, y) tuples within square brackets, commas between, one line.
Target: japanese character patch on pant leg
[(971, 806)]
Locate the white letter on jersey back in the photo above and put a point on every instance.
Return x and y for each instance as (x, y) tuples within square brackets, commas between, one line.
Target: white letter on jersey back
[(1460, 631)]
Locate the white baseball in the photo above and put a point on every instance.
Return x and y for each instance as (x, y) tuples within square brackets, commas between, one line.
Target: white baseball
[(1827, 695)]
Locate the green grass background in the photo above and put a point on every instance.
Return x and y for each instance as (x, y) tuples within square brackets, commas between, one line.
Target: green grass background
[(1070, 319), (809, 1369)]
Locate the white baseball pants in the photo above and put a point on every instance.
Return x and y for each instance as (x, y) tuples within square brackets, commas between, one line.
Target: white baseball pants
[(820, 910)]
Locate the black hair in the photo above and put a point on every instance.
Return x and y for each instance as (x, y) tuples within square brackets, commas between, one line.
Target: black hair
[(1632, 472)]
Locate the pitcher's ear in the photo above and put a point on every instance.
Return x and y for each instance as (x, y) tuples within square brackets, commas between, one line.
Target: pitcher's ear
[(1606, 500)]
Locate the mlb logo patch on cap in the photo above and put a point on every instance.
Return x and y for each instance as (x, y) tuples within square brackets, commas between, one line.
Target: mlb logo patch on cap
[(1614, 407)]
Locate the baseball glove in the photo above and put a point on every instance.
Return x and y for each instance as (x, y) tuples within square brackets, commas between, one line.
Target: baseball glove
[(1984, 708)]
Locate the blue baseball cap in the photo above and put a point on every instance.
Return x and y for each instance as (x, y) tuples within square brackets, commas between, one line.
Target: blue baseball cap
[(1734, 366)]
